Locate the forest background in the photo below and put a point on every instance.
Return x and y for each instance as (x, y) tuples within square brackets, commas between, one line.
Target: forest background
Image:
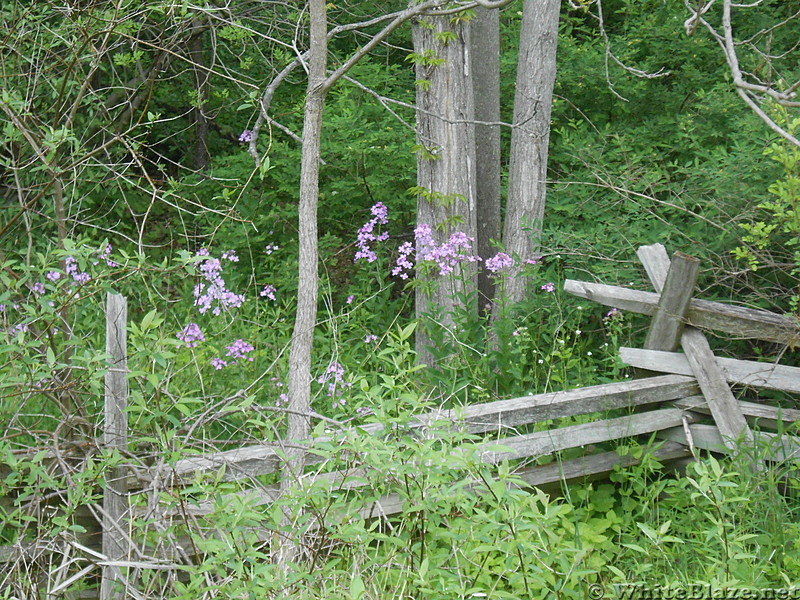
[(138, 157)]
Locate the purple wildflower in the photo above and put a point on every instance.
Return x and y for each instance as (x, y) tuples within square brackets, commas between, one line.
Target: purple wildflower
[(191, 336), (613, 313), (269, 248), (240, 349), (366, 233), (283, 399), (445, 256), (533, 260), (53, 275), (549, 287), (206, 294), (246, 136), (218, 363), (334, 376), (370, 338), (380, 212), (350, 299), (105, 254), (269, 292), (403, 264), (498, 262), (38, 288), (71, 267), (450, 254), (230, 255)]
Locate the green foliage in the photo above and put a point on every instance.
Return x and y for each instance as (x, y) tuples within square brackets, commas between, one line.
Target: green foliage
[(721, 524), (773, 238), (427, 58), (111, 103)]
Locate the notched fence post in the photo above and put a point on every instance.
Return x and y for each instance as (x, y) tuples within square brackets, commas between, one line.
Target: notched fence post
[(115, 437)]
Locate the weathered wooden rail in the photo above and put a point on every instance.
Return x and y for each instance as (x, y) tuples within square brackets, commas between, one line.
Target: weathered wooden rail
[(689, 405)]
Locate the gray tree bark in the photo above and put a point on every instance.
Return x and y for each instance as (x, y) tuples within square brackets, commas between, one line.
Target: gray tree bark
[(445, 167), (536, 71), (299, 380), (485, 53)]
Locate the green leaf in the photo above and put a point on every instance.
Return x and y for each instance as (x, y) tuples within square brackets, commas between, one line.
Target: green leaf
[(51, 357), (357, 588), (149, 320), (406, 331)]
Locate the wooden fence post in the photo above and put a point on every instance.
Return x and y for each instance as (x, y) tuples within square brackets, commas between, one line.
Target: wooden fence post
[(667, 324), (724, 408), (115, 437)]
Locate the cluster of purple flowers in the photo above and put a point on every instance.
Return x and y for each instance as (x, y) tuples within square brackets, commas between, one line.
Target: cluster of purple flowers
[(269, 292), (191, 335), (366, 235), (448, 255), (403, 265), (72, 270), (246, 136), (104, 252), (238, 350), (71, 267), (549, 287), (214, 295), (334, 377), (498, 262), (206, 294), (445, 256)]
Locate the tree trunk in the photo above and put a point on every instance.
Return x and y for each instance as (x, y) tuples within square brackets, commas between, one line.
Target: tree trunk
[(533, 101), (299, 383), (485, 50), (200, 157), (445, 167)]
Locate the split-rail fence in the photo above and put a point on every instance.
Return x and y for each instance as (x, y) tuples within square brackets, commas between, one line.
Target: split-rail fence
[(684, 398)]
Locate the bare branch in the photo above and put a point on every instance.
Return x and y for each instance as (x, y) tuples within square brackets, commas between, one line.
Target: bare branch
[(753, 91), (609, 55), (690, 24)]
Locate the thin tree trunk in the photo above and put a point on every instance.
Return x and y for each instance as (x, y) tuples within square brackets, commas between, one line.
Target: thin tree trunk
[(485, 51), (299, 389), (445, 167), (200, 157), (533, 101)]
